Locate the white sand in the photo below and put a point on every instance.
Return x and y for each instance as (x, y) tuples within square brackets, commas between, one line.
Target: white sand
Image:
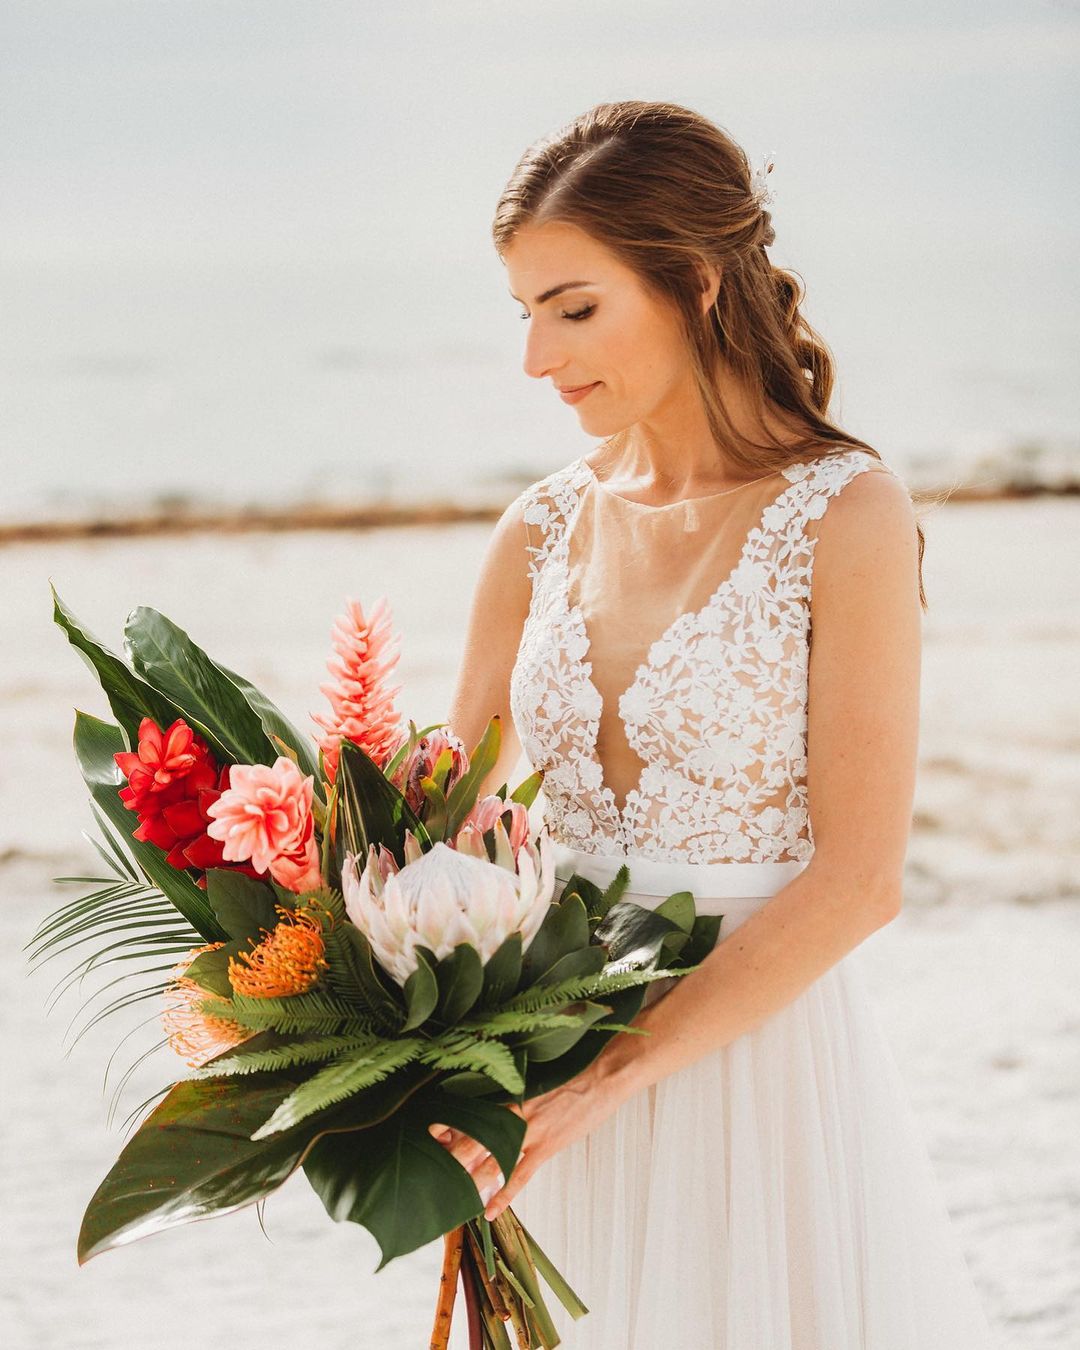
[(975, 980)]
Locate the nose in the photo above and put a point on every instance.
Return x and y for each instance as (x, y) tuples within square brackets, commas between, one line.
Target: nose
[(542, 353)]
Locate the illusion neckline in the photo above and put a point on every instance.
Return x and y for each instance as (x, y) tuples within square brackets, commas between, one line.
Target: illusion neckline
[(670, 506)]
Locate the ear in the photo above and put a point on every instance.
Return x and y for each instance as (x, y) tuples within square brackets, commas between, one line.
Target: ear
[(710, 285)]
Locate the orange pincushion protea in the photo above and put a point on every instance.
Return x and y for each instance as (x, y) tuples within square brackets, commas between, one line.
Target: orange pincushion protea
[(192, 1034), (288, 960)]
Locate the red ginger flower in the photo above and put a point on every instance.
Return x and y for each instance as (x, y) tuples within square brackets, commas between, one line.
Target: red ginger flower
[(362, 702), (172, 781)]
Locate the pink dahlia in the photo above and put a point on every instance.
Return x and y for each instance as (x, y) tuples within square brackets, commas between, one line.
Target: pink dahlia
[(266, 816), (362, 702)]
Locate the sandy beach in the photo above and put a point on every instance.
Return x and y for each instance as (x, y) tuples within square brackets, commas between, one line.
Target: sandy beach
[(974, 981)]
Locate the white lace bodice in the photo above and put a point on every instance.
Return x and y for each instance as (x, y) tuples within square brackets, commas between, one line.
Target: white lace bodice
[(717, 711)]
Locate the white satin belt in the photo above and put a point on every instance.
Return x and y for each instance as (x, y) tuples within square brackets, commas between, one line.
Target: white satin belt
[(714, 885)]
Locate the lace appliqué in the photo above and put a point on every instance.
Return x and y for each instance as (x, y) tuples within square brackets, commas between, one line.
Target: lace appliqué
[(717, 710)]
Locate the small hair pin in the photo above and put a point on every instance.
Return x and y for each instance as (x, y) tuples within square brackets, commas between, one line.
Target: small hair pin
[(759, 187)]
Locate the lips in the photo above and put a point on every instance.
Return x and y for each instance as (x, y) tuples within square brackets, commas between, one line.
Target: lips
[(574, 394)]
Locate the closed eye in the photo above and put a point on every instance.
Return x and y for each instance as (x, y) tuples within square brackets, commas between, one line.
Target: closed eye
[(578, 315)]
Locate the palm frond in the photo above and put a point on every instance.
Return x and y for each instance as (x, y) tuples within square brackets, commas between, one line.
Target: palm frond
[(125, 920), (130, 1120), (151, 1050)]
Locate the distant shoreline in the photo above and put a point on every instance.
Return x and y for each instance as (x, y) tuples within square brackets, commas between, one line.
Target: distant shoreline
[(375, 516)]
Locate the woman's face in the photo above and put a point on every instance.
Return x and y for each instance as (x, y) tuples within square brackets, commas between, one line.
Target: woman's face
[(604, 329)]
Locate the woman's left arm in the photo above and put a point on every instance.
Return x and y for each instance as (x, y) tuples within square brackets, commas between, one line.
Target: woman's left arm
[(862, 742)]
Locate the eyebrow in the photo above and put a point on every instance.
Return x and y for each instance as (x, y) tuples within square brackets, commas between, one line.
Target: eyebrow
[(555, 290)]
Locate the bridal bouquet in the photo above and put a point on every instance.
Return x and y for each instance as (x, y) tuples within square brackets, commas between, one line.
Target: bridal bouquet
[(367, 947)]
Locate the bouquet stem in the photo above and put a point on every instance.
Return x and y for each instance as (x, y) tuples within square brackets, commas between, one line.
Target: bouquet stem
[(444, 1308), (501, 1284)]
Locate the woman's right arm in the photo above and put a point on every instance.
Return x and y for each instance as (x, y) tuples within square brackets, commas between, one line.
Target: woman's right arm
[(500, 604)]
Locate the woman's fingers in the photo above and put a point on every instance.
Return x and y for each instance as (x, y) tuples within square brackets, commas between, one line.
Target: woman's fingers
[(474, 1157)]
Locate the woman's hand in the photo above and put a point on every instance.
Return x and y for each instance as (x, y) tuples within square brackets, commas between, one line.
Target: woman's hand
[(553, 1120)]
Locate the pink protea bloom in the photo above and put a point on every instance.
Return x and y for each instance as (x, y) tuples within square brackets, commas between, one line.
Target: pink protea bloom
[(265, 815), (484, 814), (406, 777), (367, 649)]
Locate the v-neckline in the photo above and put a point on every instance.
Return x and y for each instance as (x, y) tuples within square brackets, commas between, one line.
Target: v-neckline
[(689, 617)]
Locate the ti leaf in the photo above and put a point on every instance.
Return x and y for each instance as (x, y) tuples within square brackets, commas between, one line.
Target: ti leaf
[(130, 697), (166, 657), (193, 1157)]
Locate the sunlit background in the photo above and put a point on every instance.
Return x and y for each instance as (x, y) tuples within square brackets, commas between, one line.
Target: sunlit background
[(245, 261), (247, 257)]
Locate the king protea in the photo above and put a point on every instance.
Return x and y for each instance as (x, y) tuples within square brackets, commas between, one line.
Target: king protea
[(447, 896)]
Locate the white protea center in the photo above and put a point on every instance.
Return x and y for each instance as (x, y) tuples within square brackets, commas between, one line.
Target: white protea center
[(445, 897)]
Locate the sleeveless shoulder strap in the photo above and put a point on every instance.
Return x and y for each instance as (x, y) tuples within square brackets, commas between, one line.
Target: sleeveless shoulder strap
[(819, 480), (547, 507), (789, 527)]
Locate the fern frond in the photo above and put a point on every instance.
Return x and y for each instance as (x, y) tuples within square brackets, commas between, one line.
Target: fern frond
[(540, 996), (509, 1022), (339, 1080), (341, 975), (460, 1050), (286, 1056), (315, 1012)]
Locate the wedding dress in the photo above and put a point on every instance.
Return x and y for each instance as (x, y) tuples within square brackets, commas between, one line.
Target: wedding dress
[(776, 1194)]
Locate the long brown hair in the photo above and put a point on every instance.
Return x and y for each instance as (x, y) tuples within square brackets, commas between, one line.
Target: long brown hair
[(669, 192)]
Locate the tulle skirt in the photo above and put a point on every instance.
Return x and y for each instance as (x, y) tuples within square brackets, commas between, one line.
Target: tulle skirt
[(776, 1194)]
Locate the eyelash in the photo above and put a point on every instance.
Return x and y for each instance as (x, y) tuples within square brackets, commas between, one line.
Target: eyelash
[(578, 316)]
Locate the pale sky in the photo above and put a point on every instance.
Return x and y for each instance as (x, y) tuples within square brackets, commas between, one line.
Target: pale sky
[(926, 188)]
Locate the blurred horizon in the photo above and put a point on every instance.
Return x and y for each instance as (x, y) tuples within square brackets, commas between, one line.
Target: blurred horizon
[(246, 251)]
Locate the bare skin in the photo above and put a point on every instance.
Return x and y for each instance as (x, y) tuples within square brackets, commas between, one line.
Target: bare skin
[(863, 684)]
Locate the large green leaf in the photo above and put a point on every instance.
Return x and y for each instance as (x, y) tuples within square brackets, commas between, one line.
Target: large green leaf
[(464, 792), (243, 906), (275, 723), (633, 934), (130, 697), (165, 656), (502, 971), (95, 744), (565, 929), (193, 1158), (371, 810), (545, 1076), (460, 977), (399, 1182), (549, 1044), (421, 990)]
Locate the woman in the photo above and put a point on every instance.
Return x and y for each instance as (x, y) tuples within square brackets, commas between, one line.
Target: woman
[(749, 1175)]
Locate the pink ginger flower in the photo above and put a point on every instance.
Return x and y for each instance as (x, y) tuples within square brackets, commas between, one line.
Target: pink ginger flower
[(406, 777), (482, 817), (362, 702), (265, 815)]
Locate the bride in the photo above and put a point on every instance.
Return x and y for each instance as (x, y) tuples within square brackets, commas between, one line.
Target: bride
[(707, 634)]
